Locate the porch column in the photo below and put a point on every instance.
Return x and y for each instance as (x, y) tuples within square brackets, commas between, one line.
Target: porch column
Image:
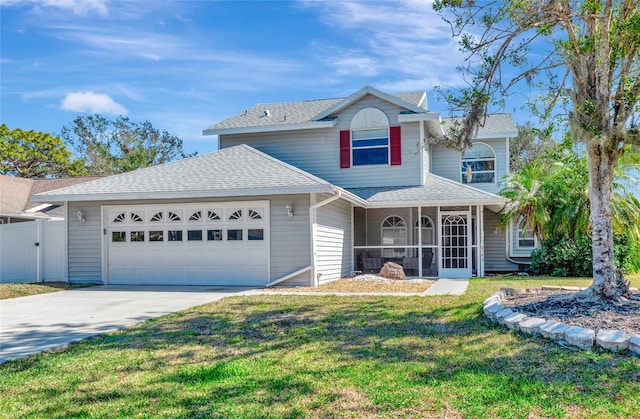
[(480, 236), (419, 241)]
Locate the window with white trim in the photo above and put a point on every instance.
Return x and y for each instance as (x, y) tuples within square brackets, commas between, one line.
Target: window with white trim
[(526, 238), (394, 233), (478, 163), (369, 137), (427, 230)]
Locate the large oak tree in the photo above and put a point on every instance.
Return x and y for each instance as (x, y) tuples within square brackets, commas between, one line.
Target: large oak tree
[(585, 56)]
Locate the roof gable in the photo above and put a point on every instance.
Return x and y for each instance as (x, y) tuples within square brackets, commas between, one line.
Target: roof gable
[(495, 126), (398, 100)]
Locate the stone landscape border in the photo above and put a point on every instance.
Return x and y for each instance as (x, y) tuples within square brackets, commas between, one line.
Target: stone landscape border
[(566, 334)]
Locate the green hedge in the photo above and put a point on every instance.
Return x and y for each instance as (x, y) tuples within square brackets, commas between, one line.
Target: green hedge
[(573, 257)]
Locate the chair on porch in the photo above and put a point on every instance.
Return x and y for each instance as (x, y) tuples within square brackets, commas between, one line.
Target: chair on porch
[(410, 264), (370, 264), (427, 260)]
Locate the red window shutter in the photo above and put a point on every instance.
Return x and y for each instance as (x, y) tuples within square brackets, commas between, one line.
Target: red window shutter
[(345, 149), (395, 146)]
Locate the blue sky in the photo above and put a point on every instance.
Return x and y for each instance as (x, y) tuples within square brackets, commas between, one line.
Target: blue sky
[(184, 65)]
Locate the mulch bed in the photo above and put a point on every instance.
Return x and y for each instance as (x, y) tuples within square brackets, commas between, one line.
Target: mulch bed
[(365, 283), (563, 306)]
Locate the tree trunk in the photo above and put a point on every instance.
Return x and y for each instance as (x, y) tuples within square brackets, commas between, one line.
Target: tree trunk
[(608, 283)]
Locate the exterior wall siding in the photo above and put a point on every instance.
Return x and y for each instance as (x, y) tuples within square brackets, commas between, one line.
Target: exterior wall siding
[(85, 243), (333, 245), (318, 151), (446, 163), (495, 250), (289, 246)]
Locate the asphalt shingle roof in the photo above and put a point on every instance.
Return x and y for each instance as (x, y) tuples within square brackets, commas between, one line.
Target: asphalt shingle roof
[(436, 191), (231, 171), (497, 123), (292, 113)]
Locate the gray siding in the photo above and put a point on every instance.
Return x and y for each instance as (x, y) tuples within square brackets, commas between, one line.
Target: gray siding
[(85, 243), (446, 163), (317, 151), (333, 247), (495, 258), (290, 237)]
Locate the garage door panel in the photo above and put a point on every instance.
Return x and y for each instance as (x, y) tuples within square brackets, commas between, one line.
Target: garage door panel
[(213, 256)]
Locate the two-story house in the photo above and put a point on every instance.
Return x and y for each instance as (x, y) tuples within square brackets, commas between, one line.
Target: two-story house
[(300, 193)]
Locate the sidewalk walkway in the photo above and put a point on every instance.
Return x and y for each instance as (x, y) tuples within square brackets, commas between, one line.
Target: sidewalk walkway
[(448, 286)]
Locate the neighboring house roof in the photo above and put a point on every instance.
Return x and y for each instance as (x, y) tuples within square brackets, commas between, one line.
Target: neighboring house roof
[(15, 192), (233, 171), (436, 191), (306, 114), (494, 126)]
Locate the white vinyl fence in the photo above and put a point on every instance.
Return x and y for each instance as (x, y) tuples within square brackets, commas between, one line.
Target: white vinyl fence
[(33, 251)]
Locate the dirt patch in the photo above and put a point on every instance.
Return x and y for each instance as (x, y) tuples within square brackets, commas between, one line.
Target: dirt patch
[(565, 307), (365, 283)]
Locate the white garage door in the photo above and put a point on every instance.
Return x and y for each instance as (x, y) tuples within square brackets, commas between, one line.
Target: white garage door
[(188, 244)]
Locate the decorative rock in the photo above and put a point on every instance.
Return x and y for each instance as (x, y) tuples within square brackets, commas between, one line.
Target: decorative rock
[(580, 337), (613, 340), (513, 321), (531, 325), (552, 329), (491, 310), (500, 315), (492, 299), (392, 270), (634, 344)]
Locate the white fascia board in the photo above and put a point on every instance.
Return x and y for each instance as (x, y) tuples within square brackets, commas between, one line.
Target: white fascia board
[(184, 194), (351, 197), (404, 204), (38, 208), (417, 117), (496, 136), (272, 128), (353, 98)]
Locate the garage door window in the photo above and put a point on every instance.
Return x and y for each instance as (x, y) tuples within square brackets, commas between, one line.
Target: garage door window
[(255, 234), (214, 235), (174, 216), (213, 215), (234, 234), (157, 217), (137, 236), (236, 215), (174, 235), (136, 218), (196, 216), (118, 236), (156, 236), (119, 218), (194, 235)]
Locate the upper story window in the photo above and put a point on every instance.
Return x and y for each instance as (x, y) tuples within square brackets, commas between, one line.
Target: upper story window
[(478, 164), (369, 137)]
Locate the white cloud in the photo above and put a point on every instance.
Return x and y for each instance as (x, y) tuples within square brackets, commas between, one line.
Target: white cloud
[(93, 103), (78, 7), (405, 42)]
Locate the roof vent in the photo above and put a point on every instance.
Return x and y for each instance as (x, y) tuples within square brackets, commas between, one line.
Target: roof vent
[(266, 113), (246, 111)]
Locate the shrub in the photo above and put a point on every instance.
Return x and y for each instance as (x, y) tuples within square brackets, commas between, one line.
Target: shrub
[(573, 257), (564, 257)]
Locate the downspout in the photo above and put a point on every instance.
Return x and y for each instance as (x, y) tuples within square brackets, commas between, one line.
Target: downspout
[(506, 251), (313, 218)]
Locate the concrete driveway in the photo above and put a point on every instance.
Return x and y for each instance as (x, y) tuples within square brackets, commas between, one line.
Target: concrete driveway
[(29, 325)]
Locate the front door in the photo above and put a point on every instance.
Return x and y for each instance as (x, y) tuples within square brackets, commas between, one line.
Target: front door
[(456, 245)]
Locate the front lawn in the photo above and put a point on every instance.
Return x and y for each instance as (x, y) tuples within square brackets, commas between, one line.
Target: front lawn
[(301, 356), (34, 288)]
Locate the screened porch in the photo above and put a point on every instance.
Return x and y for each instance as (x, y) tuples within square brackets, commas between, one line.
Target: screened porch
[(426, 241)]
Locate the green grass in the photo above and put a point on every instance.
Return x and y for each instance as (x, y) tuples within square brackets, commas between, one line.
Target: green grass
[(33, 288), (297, 356)]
